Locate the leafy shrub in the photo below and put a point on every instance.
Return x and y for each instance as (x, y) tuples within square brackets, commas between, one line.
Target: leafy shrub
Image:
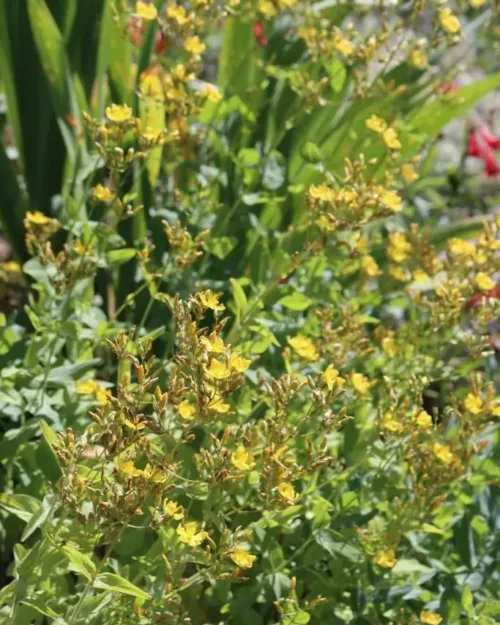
[(250, 382)]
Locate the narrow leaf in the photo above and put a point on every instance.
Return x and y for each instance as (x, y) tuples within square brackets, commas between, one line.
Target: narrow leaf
[(80, 562), (111, 581)]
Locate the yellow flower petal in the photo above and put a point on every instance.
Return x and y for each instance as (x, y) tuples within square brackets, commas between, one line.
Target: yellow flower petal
[(242, 558), (118, 113), (386, 558), (146, 10)]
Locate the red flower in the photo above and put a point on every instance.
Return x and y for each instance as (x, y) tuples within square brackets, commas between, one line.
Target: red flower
[(258, 33), (473, 147), (480, 298), (492, 141), (482, 144), (160, 43), (491, 167)]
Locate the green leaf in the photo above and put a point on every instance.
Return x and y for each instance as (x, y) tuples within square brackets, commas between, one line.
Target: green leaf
[(295, 301), (37, 520), (50, 46), (103, 57), (111, 581), (115, 258), (48, 434), (221, 246), (434, 116), (274, 174), (489, 608), (301, 618), (407, 566), (22, 506), (468, 601), (40, 606), (335, 549), (67, 372), (338, 73), (80, 562), (239, 67), (310, 153), (8, 591), (240, 299)]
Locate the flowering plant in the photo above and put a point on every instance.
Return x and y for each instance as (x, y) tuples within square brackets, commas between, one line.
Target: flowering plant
[(250, 381)]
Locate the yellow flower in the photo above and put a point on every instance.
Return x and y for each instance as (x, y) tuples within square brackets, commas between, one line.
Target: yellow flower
[(242, 459), (418, 58), (459, 247), (326, 223), (286, 4), (242, 558), (343, 45), (397, 273), (177, 14), (423, 419), (146, 10), (86, 387), (443, 453), (390, 138), (408, 173), (321, 192), (127, 466), (217, 404), (360, 383), (420, 276), (37, 218), (138, 425), (213, 344), (118, 113), (391, 424), (376, 124), (218, 370), (496, 411), (238, 363), (171, 509), (389, 346), (154, 474), (186, 410), (11, 266), (399, 247), (194, 45), (211, 300), (188, 534), (79, 248), (304, 347), (391, 199), (267, 8), (473, 403), (332, 377), (102, 395), (287, 491), (101, 193), (484, 282), (430, 618), (212, 93), (386, 558), (449, 22), (477, 3), (151, 134), (370, 266)]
